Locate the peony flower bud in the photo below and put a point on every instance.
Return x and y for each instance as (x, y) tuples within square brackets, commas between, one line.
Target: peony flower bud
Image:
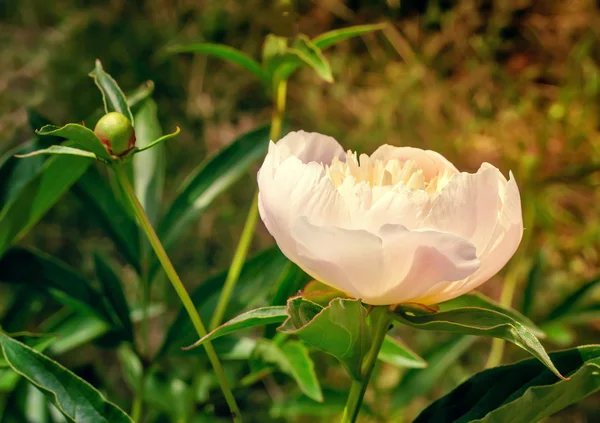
[(400, 225), (116, 133)]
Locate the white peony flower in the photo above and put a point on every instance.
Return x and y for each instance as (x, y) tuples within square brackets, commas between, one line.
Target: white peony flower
[(400, 225)]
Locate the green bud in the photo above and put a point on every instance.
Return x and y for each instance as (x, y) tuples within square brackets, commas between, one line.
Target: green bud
[(116, 133)]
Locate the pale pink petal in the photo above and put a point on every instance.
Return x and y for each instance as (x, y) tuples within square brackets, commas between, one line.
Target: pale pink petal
[(311, 147), (468, 206)]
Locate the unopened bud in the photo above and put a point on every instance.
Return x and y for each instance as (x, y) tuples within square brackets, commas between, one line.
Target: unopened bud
[(116, 133)]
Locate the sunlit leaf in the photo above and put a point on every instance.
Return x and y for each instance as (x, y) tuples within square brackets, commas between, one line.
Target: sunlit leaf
[(257, 317), (75, 398), (524, 392), (482, 322)]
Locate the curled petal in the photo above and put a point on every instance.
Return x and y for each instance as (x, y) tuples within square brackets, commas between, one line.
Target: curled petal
[(430, 162)]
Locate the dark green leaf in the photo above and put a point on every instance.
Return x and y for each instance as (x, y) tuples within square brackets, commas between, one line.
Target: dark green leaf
[(480, 301), (524, 392), (43, 272), (300, 405), (572, 302), (340, 329), (223, 52), (257, 317), (418, 383), (532, 284), (113, 290), (58, 150), (210, 179), (149, 166), (397, 354), (100, 201), (293, 359), (77, 400), (37, 196), (330, 38), (81, 137), (252, 290), (112, 95), (482, 322)]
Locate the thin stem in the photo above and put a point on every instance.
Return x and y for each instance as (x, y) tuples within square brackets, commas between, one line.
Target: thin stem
[(241, 252), (179, 288), (380, 321), (136, 409)]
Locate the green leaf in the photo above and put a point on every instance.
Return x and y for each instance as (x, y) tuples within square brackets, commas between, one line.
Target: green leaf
[(524, 392), (74, 330), (42, 271), (302, 52), (76, 399), (158, 141), (57, 150), (113, 290), (419, 383), (480, 301), (100, 202), (210, 179), (81, 137), (293, 359), (149, 166), (571, 303), (112, 95), (339, 329), (224, 52), (397, 354), (257, 317), (533, 282), (331, 38), (482, 322), (37, 196), (252, 290)]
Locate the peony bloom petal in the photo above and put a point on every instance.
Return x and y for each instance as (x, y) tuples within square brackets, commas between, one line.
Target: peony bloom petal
[(395, 266), (501, 247), (468, 206), (310, 147)]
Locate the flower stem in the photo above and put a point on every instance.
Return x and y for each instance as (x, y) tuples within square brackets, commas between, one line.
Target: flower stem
[(243, 246), (380, 321), (171, 273)]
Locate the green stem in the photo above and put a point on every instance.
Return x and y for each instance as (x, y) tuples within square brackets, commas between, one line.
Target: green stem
[(179, 288), (380, 321), (136, 409), (243, 246)]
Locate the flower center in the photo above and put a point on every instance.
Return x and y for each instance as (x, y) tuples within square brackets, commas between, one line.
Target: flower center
[(384, 173)]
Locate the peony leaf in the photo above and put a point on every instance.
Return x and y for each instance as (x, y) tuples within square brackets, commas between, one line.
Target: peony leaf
[(340, 329), (523, 392), (60, 150), (397, 354), (113, 97), (76, 399), (257, 317), (483, 322), (80, 137), (293, 359), (158, 141), (331, 38), (480, 301)]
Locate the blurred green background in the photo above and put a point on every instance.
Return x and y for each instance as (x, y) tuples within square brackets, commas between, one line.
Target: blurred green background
[(514, 83)]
